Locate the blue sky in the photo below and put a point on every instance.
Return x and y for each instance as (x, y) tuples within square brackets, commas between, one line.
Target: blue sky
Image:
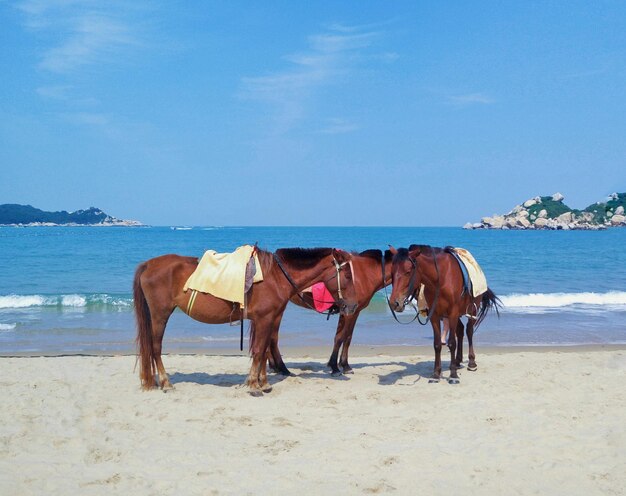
[(310, 113)]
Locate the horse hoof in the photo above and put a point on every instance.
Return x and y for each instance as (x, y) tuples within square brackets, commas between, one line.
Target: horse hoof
[(454, 380), (256, 393), (286, 373), (267, 389), (432, 380), (472, 367), (348, 371)]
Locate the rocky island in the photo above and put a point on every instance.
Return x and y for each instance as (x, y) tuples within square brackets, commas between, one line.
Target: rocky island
[(12, 214), (549, 212)]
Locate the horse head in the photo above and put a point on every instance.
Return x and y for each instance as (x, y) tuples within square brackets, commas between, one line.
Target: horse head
[(341, 285), (405, 276)]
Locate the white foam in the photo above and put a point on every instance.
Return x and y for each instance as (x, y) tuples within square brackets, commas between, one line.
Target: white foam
[(23, 301), (73, 300), (7, 327), (559, 300), (66, 301)]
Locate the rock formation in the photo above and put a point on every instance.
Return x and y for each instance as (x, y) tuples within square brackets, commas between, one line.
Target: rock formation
[(549, 212)]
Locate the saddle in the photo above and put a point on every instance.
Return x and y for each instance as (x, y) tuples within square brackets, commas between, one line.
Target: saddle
[(474, 280), (227, 275)]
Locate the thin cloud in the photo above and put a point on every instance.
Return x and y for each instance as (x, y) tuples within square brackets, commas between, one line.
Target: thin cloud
[(87, 118), (85, 32), (339, 126), (470, 99), (330, 56)]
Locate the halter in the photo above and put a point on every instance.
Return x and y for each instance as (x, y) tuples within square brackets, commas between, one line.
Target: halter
[(410, 295), (437, 290), (338, 267), (405, 299)]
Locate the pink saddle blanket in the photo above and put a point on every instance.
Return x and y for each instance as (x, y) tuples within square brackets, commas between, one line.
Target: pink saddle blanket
[(322, 298)]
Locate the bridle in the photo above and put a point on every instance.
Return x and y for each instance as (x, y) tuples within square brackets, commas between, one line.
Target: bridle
[(338, 268), (411, 293), (412, 282)]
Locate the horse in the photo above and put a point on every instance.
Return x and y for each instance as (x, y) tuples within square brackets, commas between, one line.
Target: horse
[(158, 290), (442, 277), (368, 265)]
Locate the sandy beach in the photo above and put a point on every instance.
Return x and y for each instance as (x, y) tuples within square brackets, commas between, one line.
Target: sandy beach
[(529, 421)]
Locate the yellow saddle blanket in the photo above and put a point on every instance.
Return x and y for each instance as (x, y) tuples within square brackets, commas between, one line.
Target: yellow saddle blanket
[(224, 274), (475, 273)]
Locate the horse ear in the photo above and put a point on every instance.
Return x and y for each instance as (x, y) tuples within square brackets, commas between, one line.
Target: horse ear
[(392, 250), (414, 252), (340, 255)]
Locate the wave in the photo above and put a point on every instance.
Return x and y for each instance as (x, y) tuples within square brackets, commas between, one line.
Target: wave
[(543, 301), (98, 300), (7, 327), (564, 299)]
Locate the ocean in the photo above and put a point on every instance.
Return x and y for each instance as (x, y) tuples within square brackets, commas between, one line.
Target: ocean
[(68, 289)]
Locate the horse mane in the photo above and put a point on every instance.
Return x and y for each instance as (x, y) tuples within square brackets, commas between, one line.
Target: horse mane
[(377, 254), (429, 250), (303, 258)]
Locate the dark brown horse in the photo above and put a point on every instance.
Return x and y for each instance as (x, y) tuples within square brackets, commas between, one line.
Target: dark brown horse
[(443, 283), (158, 290), (368, 279)]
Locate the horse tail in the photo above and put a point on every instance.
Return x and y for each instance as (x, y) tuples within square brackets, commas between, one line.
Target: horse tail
[(145, 352), (489, 301)]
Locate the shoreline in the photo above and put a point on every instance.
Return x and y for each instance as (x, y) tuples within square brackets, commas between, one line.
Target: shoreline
[(356, 350)]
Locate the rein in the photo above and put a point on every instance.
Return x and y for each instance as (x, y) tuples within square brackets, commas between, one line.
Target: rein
[(338, 268), (437, 291), (387, 296), (412, 291)]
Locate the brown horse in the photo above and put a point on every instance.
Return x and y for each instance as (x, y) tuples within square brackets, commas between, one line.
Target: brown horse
[(158, 290), (443, 283), (368, 266)]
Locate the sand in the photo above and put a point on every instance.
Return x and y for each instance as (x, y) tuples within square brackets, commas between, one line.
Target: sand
[(527, 422)]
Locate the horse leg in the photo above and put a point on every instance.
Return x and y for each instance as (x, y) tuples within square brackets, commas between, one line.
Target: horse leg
[(460, 330), (275, 359), (158, 331), (470, 341), (257, 378), (332, 361), (348, 332), (454, 378), (436, 325)]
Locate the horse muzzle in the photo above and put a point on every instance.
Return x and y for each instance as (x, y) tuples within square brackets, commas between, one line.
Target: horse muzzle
[(398, 305)]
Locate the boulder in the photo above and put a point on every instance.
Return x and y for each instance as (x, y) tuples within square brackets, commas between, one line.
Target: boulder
[(557, 197), (523, 222), (619, 210), (469, 225), (565, 218), (543, 214), (495, 222), (530, 203), (541, 222), (616, 220)]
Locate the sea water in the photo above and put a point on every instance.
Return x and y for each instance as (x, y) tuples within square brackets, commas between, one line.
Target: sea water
[(68, 289)]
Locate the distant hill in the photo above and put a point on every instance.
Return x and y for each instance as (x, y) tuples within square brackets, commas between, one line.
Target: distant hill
[(549, 212), (14, 214)]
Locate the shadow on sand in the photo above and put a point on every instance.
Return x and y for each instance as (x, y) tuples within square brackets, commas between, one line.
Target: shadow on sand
[(314, 370)]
